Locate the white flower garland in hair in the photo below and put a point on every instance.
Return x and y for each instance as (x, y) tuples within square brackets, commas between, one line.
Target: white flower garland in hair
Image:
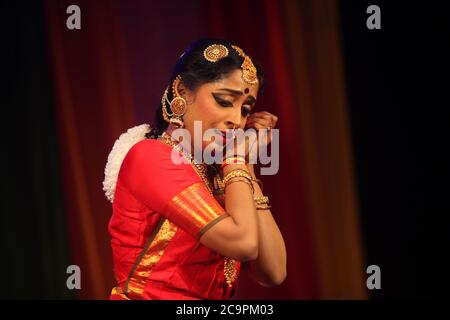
[(117, 154)]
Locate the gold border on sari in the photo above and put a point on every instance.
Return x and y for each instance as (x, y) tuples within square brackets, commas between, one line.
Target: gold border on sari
[(190, 211), (150, 256)]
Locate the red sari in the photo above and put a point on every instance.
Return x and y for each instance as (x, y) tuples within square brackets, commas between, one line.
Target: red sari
[(160, 210)]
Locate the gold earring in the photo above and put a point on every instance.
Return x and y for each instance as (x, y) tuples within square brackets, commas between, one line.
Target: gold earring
[(178, 105)]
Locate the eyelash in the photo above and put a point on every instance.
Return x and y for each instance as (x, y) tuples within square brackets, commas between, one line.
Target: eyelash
[(224, 103)]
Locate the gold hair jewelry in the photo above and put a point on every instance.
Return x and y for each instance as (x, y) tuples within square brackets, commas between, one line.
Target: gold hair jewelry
[(215, 52), (248, 68), (166, 114)]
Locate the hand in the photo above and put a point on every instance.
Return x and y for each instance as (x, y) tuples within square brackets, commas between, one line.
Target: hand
[(257, 121), (262, 120)]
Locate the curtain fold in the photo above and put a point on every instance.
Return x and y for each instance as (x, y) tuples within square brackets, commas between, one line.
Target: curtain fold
[(93, 106)]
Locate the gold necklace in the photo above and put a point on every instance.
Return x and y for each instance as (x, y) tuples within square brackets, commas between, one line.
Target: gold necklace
[(229, 266), (200, 168)]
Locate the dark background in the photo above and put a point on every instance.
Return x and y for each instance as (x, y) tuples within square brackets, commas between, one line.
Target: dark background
[(400, 142)]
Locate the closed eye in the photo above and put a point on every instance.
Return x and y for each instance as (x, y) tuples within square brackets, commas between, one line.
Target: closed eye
[(246, 109), (222, 102)]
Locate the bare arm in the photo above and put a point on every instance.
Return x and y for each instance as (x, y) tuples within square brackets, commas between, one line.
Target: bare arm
[(270, 267), (237, 235)]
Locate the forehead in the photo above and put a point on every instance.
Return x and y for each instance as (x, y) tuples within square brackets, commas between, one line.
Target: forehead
[(234, 81)]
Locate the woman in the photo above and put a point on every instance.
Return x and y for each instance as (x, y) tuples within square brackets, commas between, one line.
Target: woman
[(184, 231)]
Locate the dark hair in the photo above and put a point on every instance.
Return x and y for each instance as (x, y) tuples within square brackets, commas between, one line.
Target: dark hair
[(195, 71)]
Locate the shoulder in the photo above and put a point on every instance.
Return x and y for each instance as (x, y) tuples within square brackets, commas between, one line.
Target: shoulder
[(150, 173), (149, 147), (156, 153), (153, 157)]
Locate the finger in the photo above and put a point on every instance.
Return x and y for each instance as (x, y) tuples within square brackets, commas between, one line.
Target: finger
[(269, 117), (265, 113), (262, 113), (259, 124), (263, 121), (260, 118)]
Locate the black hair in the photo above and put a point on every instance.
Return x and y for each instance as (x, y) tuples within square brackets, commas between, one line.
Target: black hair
[(195, 71)]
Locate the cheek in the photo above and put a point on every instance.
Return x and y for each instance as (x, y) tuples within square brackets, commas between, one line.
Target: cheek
[(208, 112)]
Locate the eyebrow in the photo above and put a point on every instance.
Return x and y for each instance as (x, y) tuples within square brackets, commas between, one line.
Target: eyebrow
[(250, 98), (235, 92)]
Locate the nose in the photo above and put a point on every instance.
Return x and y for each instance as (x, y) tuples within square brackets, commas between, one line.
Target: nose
[(234, 120), (231, 125)]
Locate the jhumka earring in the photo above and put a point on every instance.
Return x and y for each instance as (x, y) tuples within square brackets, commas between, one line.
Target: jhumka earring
[(178, 105)]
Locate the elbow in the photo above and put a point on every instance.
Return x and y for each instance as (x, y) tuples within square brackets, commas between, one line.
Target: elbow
[(278, 278), (249, 252), (274, 279)]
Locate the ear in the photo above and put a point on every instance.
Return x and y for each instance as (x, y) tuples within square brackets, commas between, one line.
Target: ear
[(186, 93)]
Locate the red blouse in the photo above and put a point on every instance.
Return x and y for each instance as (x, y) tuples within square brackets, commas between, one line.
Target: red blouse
[(160, 210)]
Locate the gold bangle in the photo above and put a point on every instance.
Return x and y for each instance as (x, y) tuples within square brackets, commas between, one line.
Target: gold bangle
[(263, 208), (261, 200), (241, 180), (237, 173)]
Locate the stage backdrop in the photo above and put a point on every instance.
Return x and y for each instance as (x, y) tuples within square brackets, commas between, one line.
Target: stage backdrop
[(109, 76)]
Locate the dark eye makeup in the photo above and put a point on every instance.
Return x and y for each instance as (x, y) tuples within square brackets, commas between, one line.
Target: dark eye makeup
[(225, 103)]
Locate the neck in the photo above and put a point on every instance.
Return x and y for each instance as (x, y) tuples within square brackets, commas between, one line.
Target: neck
[(170, 128)]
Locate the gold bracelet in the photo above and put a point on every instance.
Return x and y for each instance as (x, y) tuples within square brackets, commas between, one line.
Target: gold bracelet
[(237, 173), (241, 180), (261, 200)]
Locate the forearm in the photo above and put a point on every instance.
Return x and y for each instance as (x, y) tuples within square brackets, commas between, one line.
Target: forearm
[(270, 266), (239, 204)]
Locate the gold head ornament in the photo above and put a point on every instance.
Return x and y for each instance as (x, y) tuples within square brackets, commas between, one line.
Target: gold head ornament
[(248, 68), (215, 52)]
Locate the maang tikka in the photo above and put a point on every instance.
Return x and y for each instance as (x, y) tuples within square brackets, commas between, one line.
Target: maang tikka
[(178, 105), (215, 52)]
